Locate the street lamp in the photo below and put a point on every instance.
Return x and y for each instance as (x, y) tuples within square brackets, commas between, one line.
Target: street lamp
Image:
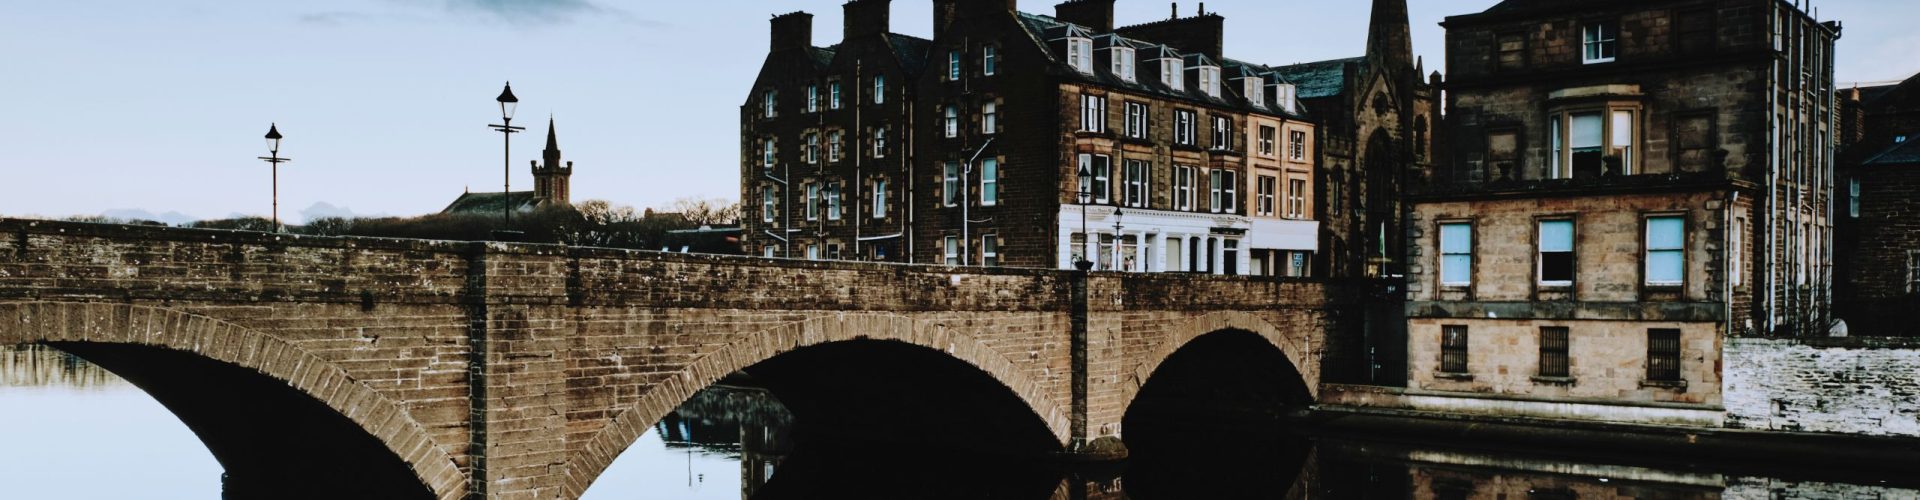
[(1086, 196), (966, 205), (508, 103), (273, 147), (1117, 228)]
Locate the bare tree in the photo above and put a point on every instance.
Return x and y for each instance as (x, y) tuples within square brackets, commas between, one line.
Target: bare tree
[(706, 212)]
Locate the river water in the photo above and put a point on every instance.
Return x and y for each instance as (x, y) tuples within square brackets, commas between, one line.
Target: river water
[(70, 430)]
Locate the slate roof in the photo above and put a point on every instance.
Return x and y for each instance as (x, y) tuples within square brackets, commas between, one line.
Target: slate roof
[(1044, 28), (913, 52), (1905, 153), (1320, 78), (489, 203)]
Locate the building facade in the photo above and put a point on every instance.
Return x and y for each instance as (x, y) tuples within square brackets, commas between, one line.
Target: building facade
[(1628, 184), (1877, 237), (1192, 162)]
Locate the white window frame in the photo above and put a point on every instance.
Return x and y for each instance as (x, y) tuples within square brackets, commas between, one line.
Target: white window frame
[(880, 142), (1296, 199), (1184, 177), (833, 95), (1222, 133), (953, 65), (880, 198), (835, 141), (952, 251), (1100, 184), (813, 98), (1465, 249), (1540, 252), (1124, 64), (1136, 181), (989, 182), (1216, 189), (1297, 145), (990, 250), (953, 121), (813, 201), (768, 204), (1599, 42), (1184, 127), (1255, 89), (813, 251), (950, 184), (1649, 251), (772, 102), (1269, 135), (879, 89), (1173, 73), (989, 118), (768, 156), (989, 60), (1080, 54), (1137, 119), (832, 195), (1264, 197), (1210, 80), (1093, 113), (813, 148)]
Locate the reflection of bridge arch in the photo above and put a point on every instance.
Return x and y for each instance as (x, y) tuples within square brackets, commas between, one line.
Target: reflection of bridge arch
[(149, 333), (604, 446), (1298, 347)]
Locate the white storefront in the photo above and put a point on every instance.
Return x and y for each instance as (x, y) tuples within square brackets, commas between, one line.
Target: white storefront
[(1286, 243), (1157, 241)]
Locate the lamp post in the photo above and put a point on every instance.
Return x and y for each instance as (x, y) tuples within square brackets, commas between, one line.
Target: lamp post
[(508, 103), (966, 205), (1086, 196), (273, 147), (1117, 228)]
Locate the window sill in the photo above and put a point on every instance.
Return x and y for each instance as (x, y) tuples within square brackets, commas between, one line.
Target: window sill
[(1543, 380), (1556, 286), (1679, 385), (1463, 377)]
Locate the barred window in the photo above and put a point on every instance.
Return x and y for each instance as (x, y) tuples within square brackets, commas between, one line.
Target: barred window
[(1553, 351), (1453, 349), (1663, 355)]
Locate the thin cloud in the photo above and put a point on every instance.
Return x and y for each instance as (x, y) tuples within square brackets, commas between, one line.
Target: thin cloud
[(332, 18), (544, 11)]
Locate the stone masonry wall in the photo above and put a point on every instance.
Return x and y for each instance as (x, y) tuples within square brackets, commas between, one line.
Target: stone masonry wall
[(1834, 385)]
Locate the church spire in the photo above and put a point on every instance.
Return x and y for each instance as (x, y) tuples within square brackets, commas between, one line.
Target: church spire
[(550, 175), (1389, 35), (553, 143)]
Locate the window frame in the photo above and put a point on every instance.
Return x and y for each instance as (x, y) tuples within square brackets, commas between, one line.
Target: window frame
[(1440, 243), (950, 184), (1138, 119), (1596, 35), (1269, 137), (1125, 65), (1540, 252), (1297, 140), (1222, 133), (1556, 353), (1136, 181), (1184, 178), (833, 95), (989, 60), (880, 142), (1647, 250), (989, 182), (951, 251), (1093, 113), (813, 98), (768, 204), (813, 201), (989, 250), (879, 89), (831, 194), (1665, 360), (1560, 164), (954, 71), (1266, 201), (1296, 207), (880, 198), (1185, 127), (952, 114), (989, 117)]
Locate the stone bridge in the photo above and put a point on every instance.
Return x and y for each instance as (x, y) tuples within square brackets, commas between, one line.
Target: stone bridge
[(487, 370)]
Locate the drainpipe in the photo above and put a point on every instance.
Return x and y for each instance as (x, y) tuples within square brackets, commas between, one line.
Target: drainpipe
[(859, 108)]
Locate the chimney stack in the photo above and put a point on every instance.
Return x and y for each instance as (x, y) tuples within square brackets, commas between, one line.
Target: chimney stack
[(868, 17), (1200, 34), (792, 31), (1096, 15)]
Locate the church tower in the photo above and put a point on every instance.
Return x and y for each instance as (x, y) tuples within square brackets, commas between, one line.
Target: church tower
[(1389, 35), (550, 177)]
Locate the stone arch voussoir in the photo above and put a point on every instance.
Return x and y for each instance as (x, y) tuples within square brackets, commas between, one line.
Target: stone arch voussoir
[(587, 463), (1298, 348), (126, 324)]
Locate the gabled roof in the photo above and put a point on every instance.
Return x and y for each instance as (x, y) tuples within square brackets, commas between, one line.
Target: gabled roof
[(489, 203), (1320, 78), (913, 52), (1905, 153), (1044, 28)]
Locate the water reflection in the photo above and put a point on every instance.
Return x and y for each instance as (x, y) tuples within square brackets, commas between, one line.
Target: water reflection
[(65, 424)]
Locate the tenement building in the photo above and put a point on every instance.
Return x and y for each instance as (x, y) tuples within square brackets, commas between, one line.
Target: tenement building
[(1018, 139), (1878, 237), (1629, 184), (825, 141)]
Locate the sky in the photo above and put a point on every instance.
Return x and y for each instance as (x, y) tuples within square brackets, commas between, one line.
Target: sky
[(116, 105)]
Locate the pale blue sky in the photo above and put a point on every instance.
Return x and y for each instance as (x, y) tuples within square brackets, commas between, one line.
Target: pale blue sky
[(160, 105)]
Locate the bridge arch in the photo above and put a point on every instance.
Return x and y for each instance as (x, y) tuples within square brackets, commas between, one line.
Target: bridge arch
[(590, 461), (1297, 346), (112, 330)]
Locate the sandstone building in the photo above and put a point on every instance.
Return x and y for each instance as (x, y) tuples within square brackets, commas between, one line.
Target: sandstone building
[(551, 187), (969, 149), (1628, 184), (1878, 268)]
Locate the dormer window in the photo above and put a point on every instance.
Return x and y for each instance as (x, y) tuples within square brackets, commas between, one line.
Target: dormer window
[(1599, 42), (1123, 64), (1288, 97), (1255, 88), (1210, 80), (1080, 54), (1173, 74)]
